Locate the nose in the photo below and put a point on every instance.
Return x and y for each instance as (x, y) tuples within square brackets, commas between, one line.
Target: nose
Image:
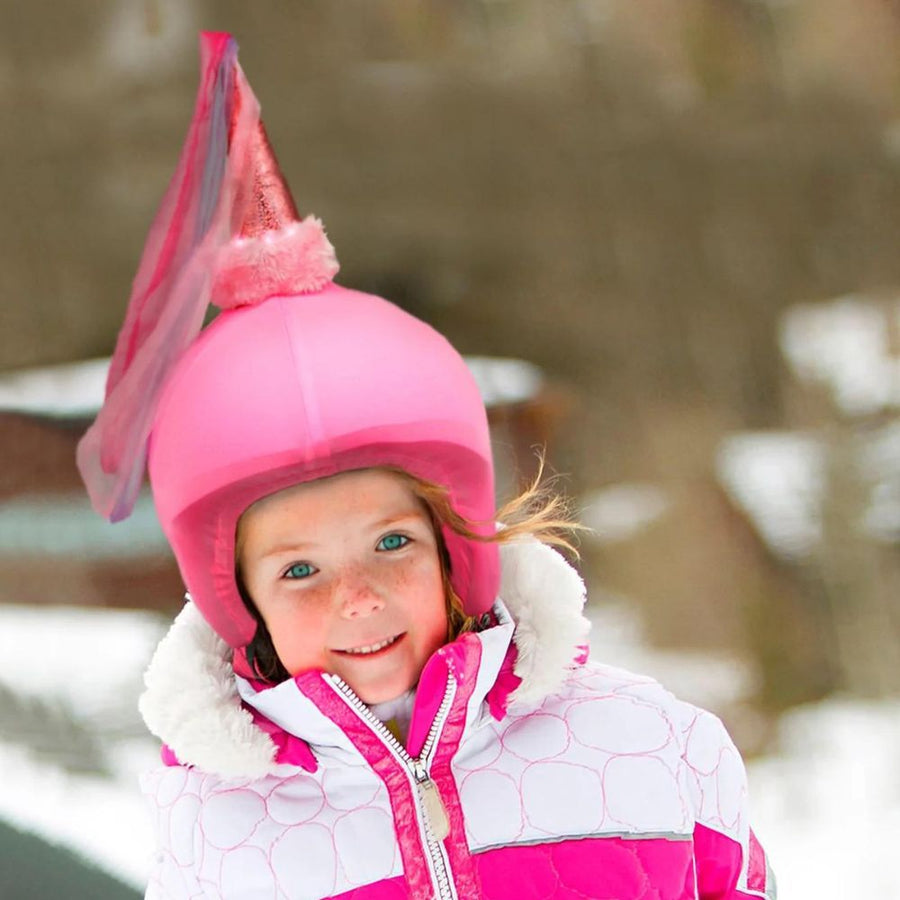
[(357, 599)]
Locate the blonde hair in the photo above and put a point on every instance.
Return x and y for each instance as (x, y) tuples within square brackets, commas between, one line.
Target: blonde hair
[(538, 511)]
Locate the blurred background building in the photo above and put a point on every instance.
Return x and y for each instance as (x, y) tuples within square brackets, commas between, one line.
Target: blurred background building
[(682, 216)]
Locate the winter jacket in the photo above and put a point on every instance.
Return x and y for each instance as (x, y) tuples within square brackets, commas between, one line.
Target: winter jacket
[(525, 775)]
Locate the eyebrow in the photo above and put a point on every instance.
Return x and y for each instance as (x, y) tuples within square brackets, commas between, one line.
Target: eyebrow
[(400, 517), (374, 526), (287, 548)]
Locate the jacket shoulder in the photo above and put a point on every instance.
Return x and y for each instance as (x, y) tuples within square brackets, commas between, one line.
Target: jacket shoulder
[(622, 698), (596, 680)]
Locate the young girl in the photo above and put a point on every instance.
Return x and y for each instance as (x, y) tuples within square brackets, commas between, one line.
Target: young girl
[(372, 690)]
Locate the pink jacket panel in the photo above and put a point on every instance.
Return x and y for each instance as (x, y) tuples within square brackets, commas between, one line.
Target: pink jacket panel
[(650, 869), (721, 870)]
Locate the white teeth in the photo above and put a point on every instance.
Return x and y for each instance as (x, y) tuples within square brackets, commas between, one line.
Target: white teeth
[(373, 648)]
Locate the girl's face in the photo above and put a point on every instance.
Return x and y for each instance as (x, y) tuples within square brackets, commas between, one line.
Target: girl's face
[(345, 572)]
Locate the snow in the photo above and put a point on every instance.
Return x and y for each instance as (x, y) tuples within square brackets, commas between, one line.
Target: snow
[(75, 389), (777, 478), (618, 512), (845, 346), (67, 525), (90, 670), (781, 479), (879, 464), (706, 679), (827, 806), (92, 656), (505, 381), (103, 819)]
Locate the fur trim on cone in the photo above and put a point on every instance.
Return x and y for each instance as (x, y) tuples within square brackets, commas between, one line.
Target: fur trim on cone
[(295, 259)]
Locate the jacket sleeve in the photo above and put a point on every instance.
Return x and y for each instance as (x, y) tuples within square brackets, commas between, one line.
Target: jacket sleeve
[(175, 807), (729, 861)]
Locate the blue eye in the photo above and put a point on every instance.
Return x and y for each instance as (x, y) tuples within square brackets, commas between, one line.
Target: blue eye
[(392, 542), (300, 570)]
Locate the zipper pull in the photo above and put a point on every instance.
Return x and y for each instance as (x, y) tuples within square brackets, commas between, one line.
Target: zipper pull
[(433, 806)]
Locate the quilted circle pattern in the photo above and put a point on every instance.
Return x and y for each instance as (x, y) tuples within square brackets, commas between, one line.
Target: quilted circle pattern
[(619, 725), (292, 856), (537, 737), (562, 798), (229, 818), (640, 792), (246, 871), (612, 753), (282, 806), (499, 794), (294, 838), (374, 830)]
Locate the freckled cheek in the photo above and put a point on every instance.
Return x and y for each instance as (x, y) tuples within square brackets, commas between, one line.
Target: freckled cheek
[(299, 641), (400, 580), (420, 582), (425, 589)]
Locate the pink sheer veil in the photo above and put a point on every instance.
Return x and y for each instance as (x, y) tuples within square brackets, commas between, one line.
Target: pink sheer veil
[(202, 209)]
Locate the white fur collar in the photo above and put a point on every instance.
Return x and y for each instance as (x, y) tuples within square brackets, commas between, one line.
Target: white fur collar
[(191, 701)]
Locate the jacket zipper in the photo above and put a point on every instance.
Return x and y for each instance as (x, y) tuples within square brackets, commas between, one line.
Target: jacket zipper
[(432, 812)]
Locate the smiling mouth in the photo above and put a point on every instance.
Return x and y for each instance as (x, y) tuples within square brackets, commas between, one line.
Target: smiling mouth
[(370, 649)]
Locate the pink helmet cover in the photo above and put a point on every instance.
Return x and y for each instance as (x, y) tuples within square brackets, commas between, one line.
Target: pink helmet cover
[(303, 387)]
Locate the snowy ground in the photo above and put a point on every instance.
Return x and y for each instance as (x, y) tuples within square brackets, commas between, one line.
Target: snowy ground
[(827, 807), (77, 793)]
